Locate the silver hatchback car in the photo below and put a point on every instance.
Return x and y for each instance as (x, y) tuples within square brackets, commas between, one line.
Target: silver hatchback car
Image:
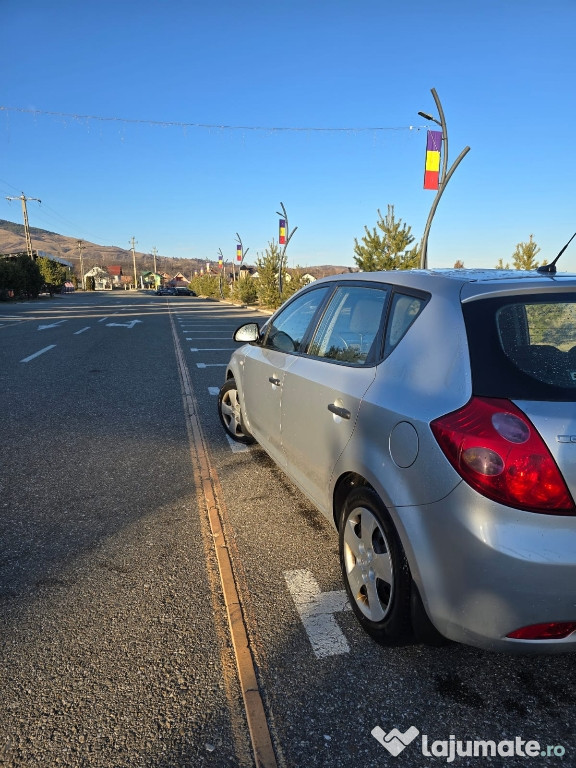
[(431, 417)]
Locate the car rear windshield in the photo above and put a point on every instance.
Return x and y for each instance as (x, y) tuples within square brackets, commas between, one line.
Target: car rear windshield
[(523, 347)]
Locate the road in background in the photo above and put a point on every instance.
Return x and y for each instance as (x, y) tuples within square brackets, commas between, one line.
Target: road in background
[(114, 648)]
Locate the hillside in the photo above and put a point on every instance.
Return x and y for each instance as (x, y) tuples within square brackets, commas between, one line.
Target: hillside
[(12, 240)]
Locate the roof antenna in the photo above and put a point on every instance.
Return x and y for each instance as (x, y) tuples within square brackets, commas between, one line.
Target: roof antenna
[(551, 268)]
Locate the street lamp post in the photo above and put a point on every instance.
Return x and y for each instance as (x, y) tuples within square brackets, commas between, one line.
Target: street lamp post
[(287, 238), (444, 176), (240, 254)]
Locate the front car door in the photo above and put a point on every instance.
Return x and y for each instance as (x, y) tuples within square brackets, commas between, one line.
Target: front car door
[(265, 365)]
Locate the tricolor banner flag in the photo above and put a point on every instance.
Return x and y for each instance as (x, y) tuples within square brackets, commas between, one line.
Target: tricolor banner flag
[(432, 167), (282, 234), (238, 252), (220, 262)]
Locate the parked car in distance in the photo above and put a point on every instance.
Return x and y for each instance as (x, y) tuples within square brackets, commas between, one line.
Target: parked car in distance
[(184, 292), (164, 292), (430, 415)]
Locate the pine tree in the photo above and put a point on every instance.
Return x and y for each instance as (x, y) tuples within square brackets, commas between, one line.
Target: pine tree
[(388, 250), (525, 255), (53, 273), (268, 266)]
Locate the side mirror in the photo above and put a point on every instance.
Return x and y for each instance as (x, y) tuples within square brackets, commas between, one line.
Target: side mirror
[(247, 333)]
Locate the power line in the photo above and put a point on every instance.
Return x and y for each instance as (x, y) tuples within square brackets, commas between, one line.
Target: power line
[(210, 126)]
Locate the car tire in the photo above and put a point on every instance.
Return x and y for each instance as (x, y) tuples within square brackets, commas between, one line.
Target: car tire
[(230, 413), (374, 568)]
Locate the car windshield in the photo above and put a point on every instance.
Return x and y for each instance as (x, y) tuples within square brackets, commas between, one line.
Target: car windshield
[(523, 347)]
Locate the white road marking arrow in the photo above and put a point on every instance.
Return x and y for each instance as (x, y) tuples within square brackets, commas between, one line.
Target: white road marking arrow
[(52, 325), (131, 324)]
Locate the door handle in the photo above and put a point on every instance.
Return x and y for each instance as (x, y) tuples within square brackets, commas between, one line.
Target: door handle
[(274, 380), (342, 412)]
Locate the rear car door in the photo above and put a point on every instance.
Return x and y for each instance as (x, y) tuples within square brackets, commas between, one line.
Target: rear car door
[(322, 390)]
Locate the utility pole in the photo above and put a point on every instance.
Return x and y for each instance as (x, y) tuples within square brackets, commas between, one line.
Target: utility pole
[(154, 254), (133, 241), (23, 199), (80, 244)]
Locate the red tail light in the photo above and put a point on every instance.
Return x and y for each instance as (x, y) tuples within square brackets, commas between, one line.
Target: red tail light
[(553, 630), (495, 448)]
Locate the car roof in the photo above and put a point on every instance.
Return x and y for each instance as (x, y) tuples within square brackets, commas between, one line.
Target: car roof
[(468, 283)]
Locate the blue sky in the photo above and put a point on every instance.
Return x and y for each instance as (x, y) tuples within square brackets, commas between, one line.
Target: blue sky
[(504, 71)]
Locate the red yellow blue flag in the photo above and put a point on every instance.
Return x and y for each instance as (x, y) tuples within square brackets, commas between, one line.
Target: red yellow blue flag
[(432, 166), (238, 252), (282, 233)]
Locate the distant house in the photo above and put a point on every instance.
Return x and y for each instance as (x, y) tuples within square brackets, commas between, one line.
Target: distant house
[(102, 280), (115, 273), (246, 271), (179, 281), (151, 280)]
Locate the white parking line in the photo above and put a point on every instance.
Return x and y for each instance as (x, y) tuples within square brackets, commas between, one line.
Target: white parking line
[(82, 330), (213, 390), (211, 365), (36, 354), (212, 349), (317, 609), (237, 447)]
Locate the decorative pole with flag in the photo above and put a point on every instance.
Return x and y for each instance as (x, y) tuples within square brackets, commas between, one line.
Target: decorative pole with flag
[(432, 165), (240, 253), (435, 177), (284, 237), (221, 275)]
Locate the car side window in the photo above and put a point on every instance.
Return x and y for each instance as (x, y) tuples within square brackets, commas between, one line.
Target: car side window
[(350, 325), (403, 311), (287, 330)]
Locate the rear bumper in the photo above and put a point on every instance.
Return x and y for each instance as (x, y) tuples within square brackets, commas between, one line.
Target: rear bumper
[(485, 570)]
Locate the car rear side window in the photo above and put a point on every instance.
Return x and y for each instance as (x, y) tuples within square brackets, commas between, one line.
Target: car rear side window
[(403, 311), (525, 345), (350, 325)]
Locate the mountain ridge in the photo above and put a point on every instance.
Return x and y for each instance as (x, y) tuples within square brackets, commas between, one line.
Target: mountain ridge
[(13, 240)]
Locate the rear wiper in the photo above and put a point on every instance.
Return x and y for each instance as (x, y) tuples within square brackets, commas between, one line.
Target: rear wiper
[(551, 268)]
